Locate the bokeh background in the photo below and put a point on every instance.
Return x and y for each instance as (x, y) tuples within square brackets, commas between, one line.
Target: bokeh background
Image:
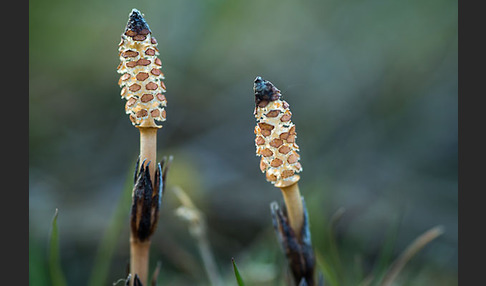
[(373, 88)]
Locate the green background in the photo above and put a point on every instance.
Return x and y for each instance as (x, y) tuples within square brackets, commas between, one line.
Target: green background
[(373, 90)]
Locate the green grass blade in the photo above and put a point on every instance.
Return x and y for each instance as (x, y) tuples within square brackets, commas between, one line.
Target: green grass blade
[(386, 253), (327, 270), (333, 247), (57, 277), (106, 249), (358, 269), (239, 280), (419, 243), (38, 273)]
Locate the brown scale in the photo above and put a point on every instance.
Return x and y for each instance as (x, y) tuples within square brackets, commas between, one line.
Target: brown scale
[(151, 86), (131, 64), (150, 52), (271, 177), (276, 143), (143, 62), (276, 162), (141, 76), (155, 71), (129, 53), (273, 113), (284, 149), (155, 113), (139, 37), (266, 152), (146, 97), (259, 140), (134, 87)]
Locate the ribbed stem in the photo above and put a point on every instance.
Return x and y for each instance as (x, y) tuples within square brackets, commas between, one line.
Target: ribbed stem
[(295, 209), (139, 259), (148, 148), (139, 250)]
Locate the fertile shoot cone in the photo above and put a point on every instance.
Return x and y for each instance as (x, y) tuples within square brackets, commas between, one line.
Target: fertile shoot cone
[(141, 81), (275, 135)]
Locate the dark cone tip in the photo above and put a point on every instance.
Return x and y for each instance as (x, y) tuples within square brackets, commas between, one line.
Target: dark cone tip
[(259, 84), (137, 23), (265, 90)]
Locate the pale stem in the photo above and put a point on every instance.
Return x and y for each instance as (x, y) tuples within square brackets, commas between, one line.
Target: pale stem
[(148, 149), (139, 259), (295, 209)]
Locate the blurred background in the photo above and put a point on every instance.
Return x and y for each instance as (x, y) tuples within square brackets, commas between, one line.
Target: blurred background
[(373, 89)]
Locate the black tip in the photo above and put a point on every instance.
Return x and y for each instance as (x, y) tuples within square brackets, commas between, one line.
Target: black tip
[(265, 90), (259, 84), (127, 282), (136, 22), (136, 281)]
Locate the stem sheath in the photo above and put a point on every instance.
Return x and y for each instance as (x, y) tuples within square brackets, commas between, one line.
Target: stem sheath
[(139, 250)]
